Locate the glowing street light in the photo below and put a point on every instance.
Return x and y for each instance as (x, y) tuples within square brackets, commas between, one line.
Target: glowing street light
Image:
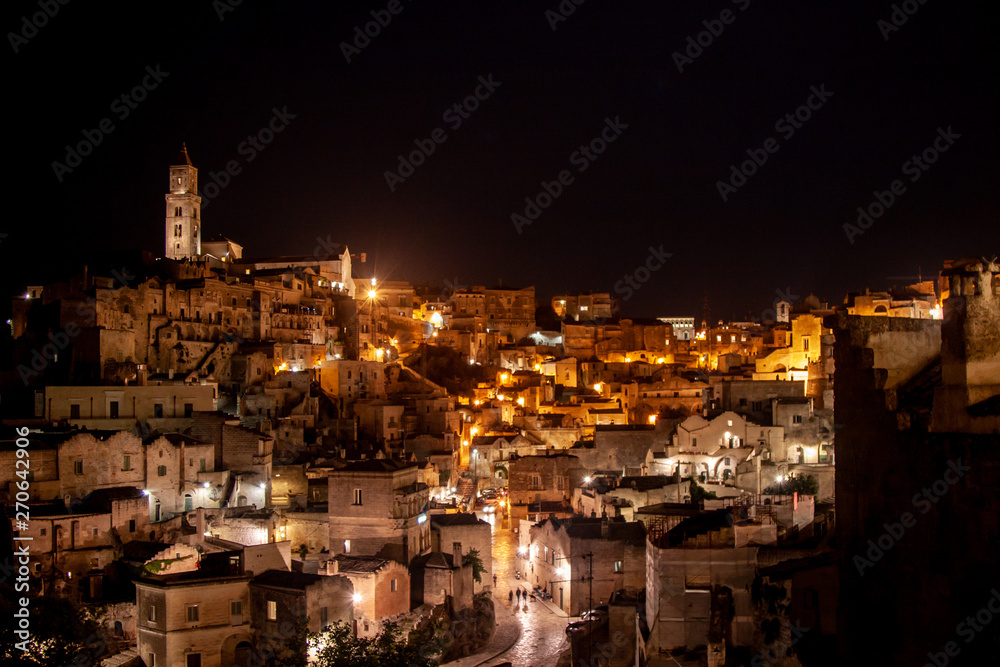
[(372, 294), (586, 480), (598, 386), (356, 598), (652, 419)]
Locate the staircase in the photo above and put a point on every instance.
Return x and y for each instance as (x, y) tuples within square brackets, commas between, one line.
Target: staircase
[(129, 658), (466, 491)]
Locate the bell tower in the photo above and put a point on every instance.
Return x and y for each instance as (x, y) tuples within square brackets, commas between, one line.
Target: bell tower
[(183, 219)]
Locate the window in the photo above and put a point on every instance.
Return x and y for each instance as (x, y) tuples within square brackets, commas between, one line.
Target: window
[(201, 465), (42, 532), (743, 402), (272, 610), (796, 419), (152, 613), (158, 410), (161, 471), (392, 586), (324, 617), (74, 411), (347, 546), (78, 467), (113, 410), (126, 462), (178, 211), (618, 566), (151, 660), (95, 532), (694, 442), (357, 496), (727, 461), (236, 608), (188, 409), (192, 613), (131, 525), (805, 343)]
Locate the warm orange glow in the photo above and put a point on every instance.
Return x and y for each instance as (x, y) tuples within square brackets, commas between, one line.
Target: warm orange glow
[(597, 387), (475, 430), (372, 294), (652, 419), (520, 401)]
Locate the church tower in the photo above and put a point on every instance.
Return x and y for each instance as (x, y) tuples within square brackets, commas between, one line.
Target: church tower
[(183, 222)]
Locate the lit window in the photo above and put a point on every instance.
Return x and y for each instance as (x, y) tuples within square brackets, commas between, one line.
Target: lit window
[(392, 586), (272, 610), (192, 613), (618, 566)]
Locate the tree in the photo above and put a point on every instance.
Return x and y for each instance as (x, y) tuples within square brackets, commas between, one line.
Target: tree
[(699, 494), (303, 550), (805, 486), (336, 646), (60, 635), (476, 561), (289, 650)]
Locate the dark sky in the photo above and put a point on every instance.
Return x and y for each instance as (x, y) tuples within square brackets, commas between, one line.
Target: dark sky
[(656, 184)]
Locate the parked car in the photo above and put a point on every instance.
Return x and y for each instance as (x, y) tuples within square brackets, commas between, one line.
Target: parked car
[(597, 613), (575, 626)]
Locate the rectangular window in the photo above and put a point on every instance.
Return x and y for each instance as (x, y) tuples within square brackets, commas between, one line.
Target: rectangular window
[(324, 617), (74, 411), (357, 496), (694, 442), (192, 613), (188, 409), (743, 402), (392, 585), (201, 464), (347, 546), (805, 344), (78, 467), (113, 410), (126, 462), (151, 660), (236, 608), (158, 411), (131, 525), (618, 566), (272, 610), (161, 471), (796, 419)]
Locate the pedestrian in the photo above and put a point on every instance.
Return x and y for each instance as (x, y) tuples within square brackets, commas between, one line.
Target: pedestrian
[(518, 594), (510, 597), (494, 581)]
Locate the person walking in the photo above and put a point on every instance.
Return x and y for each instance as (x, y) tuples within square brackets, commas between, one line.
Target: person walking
[(494, 581), (519, 595), (510, 597)]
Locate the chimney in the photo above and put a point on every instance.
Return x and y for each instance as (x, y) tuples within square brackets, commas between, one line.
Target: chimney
[(332, 567), (457, 549)]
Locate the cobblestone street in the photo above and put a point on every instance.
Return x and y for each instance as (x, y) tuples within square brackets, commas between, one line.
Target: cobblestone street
[(543, 630)]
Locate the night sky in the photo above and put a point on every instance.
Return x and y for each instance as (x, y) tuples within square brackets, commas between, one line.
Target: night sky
[(654, 185)]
